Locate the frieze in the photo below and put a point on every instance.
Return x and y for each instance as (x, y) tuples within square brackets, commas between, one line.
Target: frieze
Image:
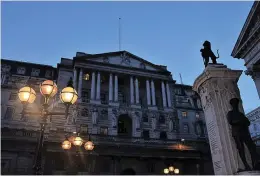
[(125, 59)]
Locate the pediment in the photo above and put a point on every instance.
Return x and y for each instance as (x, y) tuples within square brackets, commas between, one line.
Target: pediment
[(250, 28), (126, 59)]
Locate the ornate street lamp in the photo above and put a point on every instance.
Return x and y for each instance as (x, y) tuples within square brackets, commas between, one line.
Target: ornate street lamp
[(78, 141), (48, 90)]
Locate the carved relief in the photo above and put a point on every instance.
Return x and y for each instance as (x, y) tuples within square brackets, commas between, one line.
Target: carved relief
[(21, 70), (125, 59), (106, 59), (142, 65), (5, 68)]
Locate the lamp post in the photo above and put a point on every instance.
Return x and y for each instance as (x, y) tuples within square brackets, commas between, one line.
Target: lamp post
[(48, 89)]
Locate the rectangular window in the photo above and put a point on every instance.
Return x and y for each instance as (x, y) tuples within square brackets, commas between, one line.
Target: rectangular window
[(163, 135), (184, 114), (145, 117), (103, 130), (146, 134), (35, 72), (162, 119), (9, 113), (84, 129), (104, 114), (13, 96), (85, 96), (186, 128)]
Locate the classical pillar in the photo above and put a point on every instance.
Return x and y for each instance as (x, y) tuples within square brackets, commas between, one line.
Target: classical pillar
[(136, 91), (98, 87), (80, 83), (111, 87), (148, 92), (256, 78), (116, 89), (168, 95), (93, 85), (131, 90), (217, 85), (75, 78), (153, 93), (163, 94)]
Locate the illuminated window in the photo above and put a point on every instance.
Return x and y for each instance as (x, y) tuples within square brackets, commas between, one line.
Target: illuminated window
[(103, 130), (184, 114), (86, 77), (197, 115)]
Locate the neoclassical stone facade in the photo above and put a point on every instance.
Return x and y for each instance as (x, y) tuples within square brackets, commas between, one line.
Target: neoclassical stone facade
[(128, 106), (247, 46)]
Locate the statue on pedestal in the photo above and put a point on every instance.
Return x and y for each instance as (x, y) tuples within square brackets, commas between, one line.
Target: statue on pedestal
[(153, 122), (239, 125), (207, 53), (170, 125), (137, 120)]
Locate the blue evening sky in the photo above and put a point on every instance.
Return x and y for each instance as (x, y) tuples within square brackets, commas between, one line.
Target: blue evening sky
[(166, 33)]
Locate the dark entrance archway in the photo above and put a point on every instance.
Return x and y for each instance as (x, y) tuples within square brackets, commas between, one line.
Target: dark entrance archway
[(124, 125), (128, 171)]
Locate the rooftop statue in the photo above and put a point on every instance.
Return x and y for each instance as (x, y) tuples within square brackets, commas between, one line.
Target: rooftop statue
[(207, 53)]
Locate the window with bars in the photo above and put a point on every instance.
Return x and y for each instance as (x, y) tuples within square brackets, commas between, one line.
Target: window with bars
[(13, 96), (9, 113), (186, 128)]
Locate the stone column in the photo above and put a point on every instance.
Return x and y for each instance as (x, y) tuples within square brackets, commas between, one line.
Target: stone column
[(168, 95), (116, 89), (216, 86), (80, 83), (75, 78), (163, 94), (148, 92), (131, 90), (136, 91), (98, 87), (93, 85), (111, 87), (256, 77), (153, 93)]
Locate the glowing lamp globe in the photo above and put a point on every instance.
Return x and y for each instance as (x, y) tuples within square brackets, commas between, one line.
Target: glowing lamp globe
[(78, 141), (166, 171), (171, 168), (27, 95), (176, 171), (68, 95), (89, 145), (48, 88), (66, 145)]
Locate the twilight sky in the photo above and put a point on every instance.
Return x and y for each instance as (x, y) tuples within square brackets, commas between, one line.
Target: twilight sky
[(165, 33)]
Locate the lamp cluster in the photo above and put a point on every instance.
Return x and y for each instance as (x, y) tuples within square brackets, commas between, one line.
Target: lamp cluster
[(171, 170), (77, 141)]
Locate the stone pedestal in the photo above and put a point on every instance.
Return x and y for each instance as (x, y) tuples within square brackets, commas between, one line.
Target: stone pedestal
[(216, 86)]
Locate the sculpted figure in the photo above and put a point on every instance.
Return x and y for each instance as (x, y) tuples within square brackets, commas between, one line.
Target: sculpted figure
[(153, 122), (114, 118), (207, 53), (94, 116), (137, 121), (239, 125), (170, 125)]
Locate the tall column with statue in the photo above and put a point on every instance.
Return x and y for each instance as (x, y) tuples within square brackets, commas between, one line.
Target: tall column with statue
[(225, 120)]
